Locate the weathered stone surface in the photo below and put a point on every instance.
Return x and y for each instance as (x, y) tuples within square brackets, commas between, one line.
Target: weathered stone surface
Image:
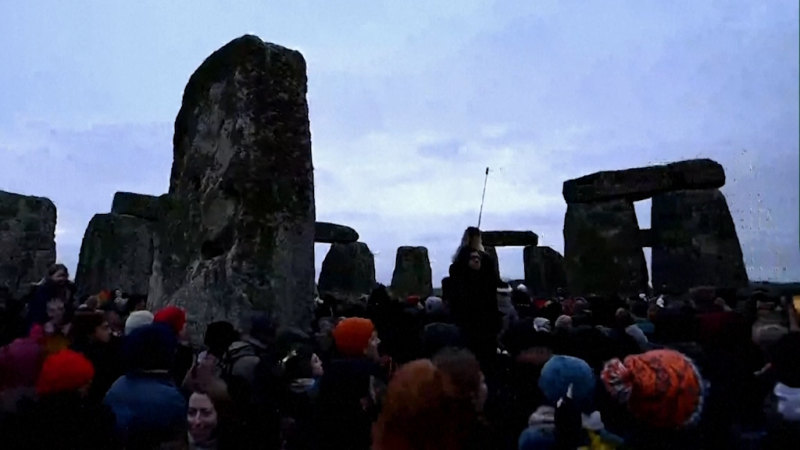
[(544, 270), (509, 238), (492, 252), (412, 272), (348, 270), (331, 233), (27, 240), (116, 253), (602, 252), (238, 228), (696, 240), (644, 182), (137, 205)]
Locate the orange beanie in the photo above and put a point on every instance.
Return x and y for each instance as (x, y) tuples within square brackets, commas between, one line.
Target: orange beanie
[(352, 336), (64, 371)]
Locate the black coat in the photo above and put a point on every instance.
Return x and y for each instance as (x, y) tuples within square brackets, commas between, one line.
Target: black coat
[(473, 304)]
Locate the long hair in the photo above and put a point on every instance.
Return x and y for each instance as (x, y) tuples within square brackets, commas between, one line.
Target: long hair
[(469, 234)]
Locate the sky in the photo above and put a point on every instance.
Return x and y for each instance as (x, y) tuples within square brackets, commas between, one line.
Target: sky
[(411, 101)]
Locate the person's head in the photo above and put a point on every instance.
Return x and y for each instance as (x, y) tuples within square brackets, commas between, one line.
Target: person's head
[(150, 348), (559, 373), (136, 303), (623, 318), (564, 322), (174, 317), (356, 337), (90, 326), (302, 362), (662, 388), (114, 321), (219, 336), (58, 274), (137, 319), (209, 406), (56, 310), (65, 371), (419, 412), (463, 374), (472, 238), (474, 260)]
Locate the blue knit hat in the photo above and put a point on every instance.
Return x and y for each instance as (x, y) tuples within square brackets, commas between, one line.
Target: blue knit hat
[(561, 371)]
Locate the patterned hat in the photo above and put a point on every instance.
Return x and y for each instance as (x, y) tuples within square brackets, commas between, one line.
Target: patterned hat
[(662, 388)]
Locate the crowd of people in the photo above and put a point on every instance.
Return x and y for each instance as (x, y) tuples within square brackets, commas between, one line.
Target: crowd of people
[(484, 366)]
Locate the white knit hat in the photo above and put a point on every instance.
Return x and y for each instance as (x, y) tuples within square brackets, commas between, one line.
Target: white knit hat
[(138, 319)]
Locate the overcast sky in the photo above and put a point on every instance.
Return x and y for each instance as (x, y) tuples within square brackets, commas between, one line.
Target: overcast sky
[(409, 104)]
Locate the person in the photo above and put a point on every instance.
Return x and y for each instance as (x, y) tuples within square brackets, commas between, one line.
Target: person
[(20, 364), (421, 412), (91, 336), (56, 328), (175, 318), (474, 303), (506, 306), (347, 400), (55, 285), (138, 319), (62, 417), (302, 370), (211, 418), (149, 407)]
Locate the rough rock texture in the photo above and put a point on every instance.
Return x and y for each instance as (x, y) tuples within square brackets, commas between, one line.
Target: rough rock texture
[(696, 240), (509, 238), (492, 252), (348, 271), (644, 182), (116, 253), (27, 240), (238, 229), (137, 205), (331, 233), (602, 252), (544, 270), (412, 272)]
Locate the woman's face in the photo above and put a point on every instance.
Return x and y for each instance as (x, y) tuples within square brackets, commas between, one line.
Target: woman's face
[(475, 261), (316, 366), (102, 333), (55, 310), (201, 417), (60, 277)]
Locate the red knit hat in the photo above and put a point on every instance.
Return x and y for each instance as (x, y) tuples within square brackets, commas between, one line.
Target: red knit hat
[(352, 336), (173, 316), (64, 371)]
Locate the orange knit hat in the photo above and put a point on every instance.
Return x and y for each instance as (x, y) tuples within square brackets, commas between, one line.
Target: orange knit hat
[(64, 371), (352, 335), (662, 388)]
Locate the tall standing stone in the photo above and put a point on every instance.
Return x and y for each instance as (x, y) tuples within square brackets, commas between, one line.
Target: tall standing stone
[(492, 252), (237, 234), (602, 252), (412, 273), (116, 253), (695, 241), (348, 271), (544, 270), (27, 240)]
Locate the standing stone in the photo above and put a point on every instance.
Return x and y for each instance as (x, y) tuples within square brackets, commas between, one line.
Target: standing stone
[(696, 241), (509, 238), (348, 271), (412, 273), (238, 228), (116, 253), (27, 240), (544, 270), (602, 252), (492, 252)]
